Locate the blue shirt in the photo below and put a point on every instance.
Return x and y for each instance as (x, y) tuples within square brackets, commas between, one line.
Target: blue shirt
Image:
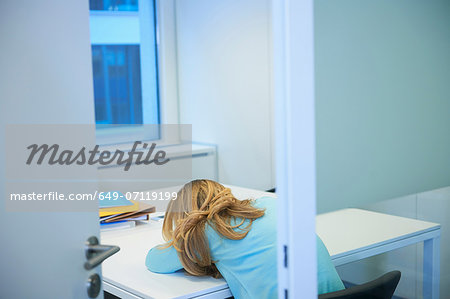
[(249, 265)]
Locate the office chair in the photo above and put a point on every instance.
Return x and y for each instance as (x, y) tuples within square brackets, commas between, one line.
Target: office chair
[(380, 288)]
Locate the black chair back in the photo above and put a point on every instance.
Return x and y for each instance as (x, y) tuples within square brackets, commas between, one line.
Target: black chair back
[(380, 288)]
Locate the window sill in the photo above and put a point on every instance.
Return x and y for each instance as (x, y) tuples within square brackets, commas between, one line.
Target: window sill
[(177, 151)]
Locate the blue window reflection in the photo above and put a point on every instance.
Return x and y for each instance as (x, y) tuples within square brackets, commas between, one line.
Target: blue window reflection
[(114, 5), (117, 84)]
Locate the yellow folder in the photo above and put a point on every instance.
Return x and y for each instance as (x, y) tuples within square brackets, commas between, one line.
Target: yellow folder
[(119, 210)]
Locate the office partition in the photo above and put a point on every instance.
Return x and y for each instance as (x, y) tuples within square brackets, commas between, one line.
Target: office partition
[(382, 100)]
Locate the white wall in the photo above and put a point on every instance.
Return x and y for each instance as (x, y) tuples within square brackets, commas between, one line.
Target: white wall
[(225, 85)]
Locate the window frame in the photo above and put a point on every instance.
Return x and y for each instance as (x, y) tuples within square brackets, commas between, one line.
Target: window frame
[(165, 51)]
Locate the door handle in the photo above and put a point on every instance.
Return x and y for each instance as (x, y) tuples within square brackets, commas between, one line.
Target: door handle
[(96, 253)]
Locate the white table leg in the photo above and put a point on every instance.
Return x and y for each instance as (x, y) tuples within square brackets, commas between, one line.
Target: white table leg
[(431, 271)]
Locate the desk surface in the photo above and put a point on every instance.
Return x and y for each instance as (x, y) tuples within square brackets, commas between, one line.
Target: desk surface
[(347, 230), (343, 232)]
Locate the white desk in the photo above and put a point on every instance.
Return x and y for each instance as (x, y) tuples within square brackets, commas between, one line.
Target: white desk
[(349, 235), (354, 234)]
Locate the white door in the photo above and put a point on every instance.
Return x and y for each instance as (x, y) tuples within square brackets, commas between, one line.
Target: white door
[(45, 78)]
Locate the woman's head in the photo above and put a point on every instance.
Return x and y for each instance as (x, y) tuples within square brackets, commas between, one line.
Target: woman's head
[(191, 197), (198, 203)]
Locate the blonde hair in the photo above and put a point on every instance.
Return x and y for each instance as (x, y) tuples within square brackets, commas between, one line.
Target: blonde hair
[(197, 204)]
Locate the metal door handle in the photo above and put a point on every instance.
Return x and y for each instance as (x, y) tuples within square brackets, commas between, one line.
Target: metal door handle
[(96, 253)]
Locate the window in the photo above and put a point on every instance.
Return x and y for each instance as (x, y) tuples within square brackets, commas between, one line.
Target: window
[(117, 84), (125, 68), (114, 5)]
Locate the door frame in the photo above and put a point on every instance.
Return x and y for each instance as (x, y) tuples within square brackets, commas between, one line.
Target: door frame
[(293, 62)]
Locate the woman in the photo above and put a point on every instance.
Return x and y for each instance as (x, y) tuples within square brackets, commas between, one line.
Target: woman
[(210, 232)]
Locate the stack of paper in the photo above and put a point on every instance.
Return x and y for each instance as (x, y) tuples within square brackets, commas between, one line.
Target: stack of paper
[(118, 212)]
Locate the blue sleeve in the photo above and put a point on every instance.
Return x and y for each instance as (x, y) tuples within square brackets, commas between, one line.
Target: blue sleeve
[(328, 279), (163, 260)]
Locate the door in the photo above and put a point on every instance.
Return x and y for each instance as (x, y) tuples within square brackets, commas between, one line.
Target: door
[(45, 78)]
